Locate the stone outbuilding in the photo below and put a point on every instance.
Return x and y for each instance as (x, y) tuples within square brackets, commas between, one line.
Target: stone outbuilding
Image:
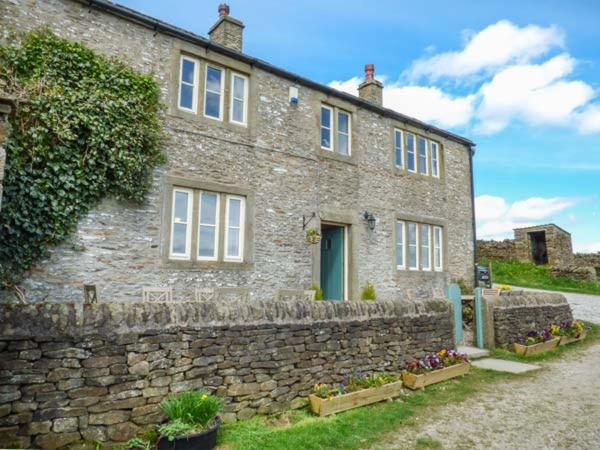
[(544, 244)]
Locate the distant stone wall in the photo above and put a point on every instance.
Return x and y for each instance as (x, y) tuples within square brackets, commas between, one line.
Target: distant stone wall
[(517, 312), (588, 260), (97, 372), (495, 250)]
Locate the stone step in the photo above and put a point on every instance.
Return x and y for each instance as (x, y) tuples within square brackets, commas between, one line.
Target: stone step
[(502, 365), (473, 352)]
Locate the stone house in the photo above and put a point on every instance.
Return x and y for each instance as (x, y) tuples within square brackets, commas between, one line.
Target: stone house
[(256, 154)]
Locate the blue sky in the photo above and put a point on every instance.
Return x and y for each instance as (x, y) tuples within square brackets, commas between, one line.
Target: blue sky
[(520, 78)]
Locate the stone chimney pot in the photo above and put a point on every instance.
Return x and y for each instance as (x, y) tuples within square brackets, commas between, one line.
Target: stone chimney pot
[(371, 89), (228, 31)]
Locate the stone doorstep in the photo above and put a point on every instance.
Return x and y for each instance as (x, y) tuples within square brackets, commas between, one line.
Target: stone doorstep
[(473, 352), (502, 365)]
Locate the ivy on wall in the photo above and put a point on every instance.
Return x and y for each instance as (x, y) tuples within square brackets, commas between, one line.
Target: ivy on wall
[(86, 127)]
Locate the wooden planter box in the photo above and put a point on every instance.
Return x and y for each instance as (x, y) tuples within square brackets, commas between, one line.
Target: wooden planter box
[(536, 349), (414, 381), (325, 407), (564, 340)]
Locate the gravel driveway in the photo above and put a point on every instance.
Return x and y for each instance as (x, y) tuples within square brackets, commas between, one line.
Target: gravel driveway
[(558, 408)]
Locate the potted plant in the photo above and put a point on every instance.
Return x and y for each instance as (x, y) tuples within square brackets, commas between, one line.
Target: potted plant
[(313, 236), (535, 342), (359, 390), (368, 293), (193, 421), (569, 331), (440, 366)]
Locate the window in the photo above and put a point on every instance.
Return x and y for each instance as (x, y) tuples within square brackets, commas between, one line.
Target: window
[(399, 148), (424, 235), (437, 248), (400, 244), (234, 239), (239, 98), (188, 84), (343, 133), (435, 170), (326, 116), (413, 259), (411, 163), (208, 231), (181, 224), (423, 169), (213, 96)]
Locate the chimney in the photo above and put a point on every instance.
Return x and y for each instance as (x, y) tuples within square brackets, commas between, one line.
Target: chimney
[(371, 89), (227, 31)]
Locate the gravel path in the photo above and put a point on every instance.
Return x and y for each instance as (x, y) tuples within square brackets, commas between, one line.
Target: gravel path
[(558, 408)]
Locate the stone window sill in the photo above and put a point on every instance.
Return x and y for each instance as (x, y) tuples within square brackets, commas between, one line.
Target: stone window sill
[(337, 157)]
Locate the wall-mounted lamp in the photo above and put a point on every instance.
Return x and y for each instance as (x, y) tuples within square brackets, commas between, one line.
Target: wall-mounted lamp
[(370, 218)]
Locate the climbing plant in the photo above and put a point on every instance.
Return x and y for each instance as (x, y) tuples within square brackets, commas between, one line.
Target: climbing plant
[(86, 127)]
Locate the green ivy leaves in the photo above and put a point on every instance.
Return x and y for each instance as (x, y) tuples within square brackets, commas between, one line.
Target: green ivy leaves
[(87, 128)]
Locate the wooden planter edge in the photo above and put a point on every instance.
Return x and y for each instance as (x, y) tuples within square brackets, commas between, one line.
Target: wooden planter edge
[(564, 340), (414, 381), (536, 349)]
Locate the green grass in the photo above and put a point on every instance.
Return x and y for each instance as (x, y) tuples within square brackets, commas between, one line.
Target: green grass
[(362, 427), (530, 275)]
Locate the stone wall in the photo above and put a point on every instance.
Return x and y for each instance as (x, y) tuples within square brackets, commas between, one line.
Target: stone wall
[(495, 250), (97, 372), (119, 247), (517, 312), (588, 260)]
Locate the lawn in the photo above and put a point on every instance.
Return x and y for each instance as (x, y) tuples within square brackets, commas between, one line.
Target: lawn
[(363, 427), (529, 275)]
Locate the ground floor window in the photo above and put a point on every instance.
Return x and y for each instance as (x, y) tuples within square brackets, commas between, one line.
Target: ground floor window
[(419, 246)]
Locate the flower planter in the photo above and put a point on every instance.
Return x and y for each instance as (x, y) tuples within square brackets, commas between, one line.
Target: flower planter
[(564, 340), (205, 440), (419, 381), (536, 349), (327, 406), (313, 239)]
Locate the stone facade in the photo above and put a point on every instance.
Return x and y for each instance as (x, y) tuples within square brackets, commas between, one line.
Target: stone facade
[(97, 372), (517, 312), (120, 247)]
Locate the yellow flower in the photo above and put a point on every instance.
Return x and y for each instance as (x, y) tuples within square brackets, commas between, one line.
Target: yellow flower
[(204, 397), (442, 352)]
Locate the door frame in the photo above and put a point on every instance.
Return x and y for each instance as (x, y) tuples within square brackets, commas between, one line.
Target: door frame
[(346, 264)]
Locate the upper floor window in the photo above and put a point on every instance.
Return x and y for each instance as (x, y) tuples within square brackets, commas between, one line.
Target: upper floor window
[(411, 161), (398, 148), (213, 96), (416, 153), (419, 246), (188, 84), (435, 165), (239, 98), (423, 169), (336, 130)]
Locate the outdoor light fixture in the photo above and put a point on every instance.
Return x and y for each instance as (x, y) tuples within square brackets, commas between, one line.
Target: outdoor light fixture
[(370, 218)]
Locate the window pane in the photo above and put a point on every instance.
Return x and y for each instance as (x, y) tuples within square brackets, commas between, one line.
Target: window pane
[(207, 241), (422, 155), (412, 245), (187, 71), (325, 138), (187, 96), (437, 247), (179, 236), (233, 242), (208, 208), (399, 244), (343, 143), (181, 206), (326, 117), (410, 151), (424, 234), (434, 159), (238, 87), (343, 120), (398, 146), (234, 212), (213, 79), (238, 111), (213, 105)]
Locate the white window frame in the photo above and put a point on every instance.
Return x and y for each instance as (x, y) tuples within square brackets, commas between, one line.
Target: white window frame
[(217, 226), (418, 162), (331, 128), (188, 222), (338, 132), (402, 234), (245, 99), (417, 247), (428, 227), (414, 152), (194, 84), (436, 146), (240, 257), (401, 148), (440, 245), (221, 94)]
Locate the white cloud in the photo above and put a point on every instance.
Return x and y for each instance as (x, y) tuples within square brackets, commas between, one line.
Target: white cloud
[(588, 121), (495, 46), (496, 219), (349, 86), (592, 247)]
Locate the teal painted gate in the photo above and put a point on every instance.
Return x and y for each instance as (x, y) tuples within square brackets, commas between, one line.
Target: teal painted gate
[(478, 313), (454, 295)]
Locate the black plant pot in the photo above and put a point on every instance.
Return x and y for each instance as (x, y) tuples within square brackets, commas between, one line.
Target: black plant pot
[(206, 440)]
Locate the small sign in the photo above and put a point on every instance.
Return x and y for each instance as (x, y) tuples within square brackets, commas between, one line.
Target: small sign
[(490, 292)]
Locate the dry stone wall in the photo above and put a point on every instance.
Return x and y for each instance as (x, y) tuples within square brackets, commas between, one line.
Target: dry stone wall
[(97, 372), (494, 250)]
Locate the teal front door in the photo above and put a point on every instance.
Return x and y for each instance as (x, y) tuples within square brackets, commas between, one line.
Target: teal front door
[(332, 263)]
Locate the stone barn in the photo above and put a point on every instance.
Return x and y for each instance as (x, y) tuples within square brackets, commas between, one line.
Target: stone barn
[(544, 244)]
